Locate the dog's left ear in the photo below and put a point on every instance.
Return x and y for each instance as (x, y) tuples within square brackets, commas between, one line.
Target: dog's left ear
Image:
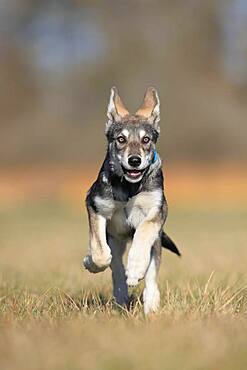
[(150, 108), (116, 109)]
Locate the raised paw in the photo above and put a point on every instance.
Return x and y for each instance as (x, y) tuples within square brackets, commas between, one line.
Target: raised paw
[(91, 266), (136, 269)]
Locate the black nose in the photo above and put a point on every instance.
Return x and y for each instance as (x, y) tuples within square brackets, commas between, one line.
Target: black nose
[(134, 161)]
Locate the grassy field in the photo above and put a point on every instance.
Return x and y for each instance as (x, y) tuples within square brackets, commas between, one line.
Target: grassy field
[(55, 315)]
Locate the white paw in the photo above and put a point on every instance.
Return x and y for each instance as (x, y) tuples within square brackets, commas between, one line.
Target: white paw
[(102, 260), (95, 265), (151, 298), (90, 265), (136, 268)]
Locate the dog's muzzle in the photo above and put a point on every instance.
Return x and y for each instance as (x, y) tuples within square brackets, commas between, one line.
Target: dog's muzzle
[(133, 174)]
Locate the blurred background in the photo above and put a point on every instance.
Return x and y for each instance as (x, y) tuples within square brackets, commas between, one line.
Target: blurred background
[(59, 59)]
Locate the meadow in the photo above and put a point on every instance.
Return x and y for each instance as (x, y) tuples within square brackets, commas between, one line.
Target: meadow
[(55, 315)]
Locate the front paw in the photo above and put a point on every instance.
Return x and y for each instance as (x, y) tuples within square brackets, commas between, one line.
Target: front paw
[(136, 269), (97, 263)]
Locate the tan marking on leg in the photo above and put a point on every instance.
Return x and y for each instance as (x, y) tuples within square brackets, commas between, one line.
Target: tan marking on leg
[(139, 253), (99, 251), (147, 232)]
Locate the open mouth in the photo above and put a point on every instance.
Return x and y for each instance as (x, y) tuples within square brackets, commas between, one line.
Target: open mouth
[(133, 175)]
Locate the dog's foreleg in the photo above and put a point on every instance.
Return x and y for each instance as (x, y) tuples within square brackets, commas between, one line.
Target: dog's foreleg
[(139, 254), (120, 289), (99, 257), (151, 294)]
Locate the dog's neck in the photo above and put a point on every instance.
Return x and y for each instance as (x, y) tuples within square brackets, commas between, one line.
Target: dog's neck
[(123, 190)]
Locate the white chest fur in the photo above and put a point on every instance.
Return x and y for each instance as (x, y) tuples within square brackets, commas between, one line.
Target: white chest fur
[(122, 217)]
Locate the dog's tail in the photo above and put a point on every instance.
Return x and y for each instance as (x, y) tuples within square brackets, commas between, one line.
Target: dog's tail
[(167, 243)]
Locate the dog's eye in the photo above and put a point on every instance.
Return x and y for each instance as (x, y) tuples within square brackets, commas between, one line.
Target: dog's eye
[(121, 139), (146, 139)]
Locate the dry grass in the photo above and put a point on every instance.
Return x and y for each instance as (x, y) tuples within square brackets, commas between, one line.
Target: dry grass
[(55, 315)]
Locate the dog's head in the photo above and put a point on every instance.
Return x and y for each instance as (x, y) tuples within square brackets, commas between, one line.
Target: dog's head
[(132, 138)]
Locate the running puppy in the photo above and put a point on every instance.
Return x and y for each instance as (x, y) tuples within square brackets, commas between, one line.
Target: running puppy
[(127, 202)]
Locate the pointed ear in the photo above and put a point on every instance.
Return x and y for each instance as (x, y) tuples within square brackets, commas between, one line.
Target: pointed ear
[(150, 108), (116, 109)]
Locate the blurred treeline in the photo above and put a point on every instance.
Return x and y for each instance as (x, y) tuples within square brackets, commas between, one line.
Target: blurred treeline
[(58, 60)]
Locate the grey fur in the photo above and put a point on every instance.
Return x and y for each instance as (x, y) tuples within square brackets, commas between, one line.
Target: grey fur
[(126, 199)]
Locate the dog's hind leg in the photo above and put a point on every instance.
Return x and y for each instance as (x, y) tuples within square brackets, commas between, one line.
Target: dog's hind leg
[(151, 294), (120, 289)]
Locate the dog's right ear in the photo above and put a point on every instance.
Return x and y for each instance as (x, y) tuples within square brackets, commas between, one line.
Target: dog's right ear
[(116, 109)]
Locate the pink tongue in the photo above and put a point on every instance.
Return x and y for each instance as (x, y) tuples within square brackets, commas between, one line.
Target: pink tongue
[(134, 173)]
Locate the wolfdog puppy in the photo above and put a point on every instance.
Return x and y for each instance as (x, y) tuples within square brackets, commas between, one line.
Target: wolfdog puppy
[(127, 203)]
